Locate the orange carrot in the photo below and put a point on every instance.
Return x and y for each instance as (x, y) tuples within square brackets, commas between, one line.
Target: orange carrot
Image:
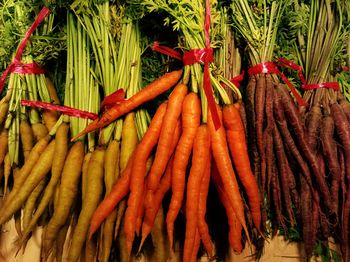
[(224, 165), (163, 148), (237, 142), (148, 93), (140, 212), (191, 113), (197, 243), (235, 227), (118, 192), (138, 173), (152, 210), (201, 155), (202, 208), (122, 186)]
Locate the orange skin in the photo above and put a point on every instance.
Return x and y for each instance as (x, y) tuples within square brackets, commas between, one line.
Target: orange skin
[(201, 154), (239, 152), (191, 117), (223, 162)]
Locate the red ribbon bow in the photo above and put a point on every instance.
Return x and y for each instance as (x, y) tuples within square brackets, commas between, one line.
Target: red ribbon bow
[(17, 66), (198, 55), (287, 63), (271, 68)]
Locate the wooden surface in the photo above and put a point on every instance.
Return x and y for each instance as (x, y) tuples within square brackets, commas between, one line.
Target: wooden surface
[(276, 250)]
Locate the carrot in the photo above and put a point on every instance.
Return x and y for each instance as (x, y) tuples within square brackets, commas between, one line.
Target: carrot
[(141, 208), (23, 173), (191, 113), (84, 173), (95, 187), (282, 162), (159, 240), (52, 91), (148, 93), (7, 172), (39, 131), (111, 164), (151, 212), (122, 186), (235, 227), (129, 140), (61, 149), (201, 155), (1, 172), (342, 129), (222, 159), (61, 239), (260, 93), (202, 208), (142, 152), (50, 118), (39, 171), (306, 216), (329, 150), (239, 152), (27, 138), (68, 190), (118, 192), (276, 196), (140, 212), (250, 111), (288, 140), (29, 208), (313, 124), (163, 148), (4, 107), (197, 243), (3, 144), (129, 143), (294, 119), (31, 203)]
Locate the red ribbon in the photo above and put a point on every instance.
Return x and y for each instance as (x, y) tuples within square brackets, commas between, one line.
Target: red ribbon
[(237, 79), (166, 50), (207, 59), (198, 55), (287, 63), (329, 85), (66, 110), (112, 99), (271, 68), (16, 64)]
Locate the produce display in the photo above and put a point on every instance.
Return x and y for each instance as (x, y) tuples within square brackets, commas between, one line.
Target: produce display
[(163, 130)]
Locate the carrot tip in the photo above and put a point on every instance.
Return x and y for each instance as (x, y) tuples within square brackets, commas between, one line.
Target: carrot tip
[(78, 135), (141, 244)]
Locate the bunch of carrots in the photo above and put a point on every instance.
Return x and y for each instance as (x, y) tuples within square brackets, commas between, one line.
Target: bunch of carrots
[(177, 132)]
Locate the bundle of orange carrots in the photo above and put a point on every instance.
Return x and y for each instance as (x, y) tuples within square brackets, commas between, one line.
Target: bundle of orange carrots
[(177, 133)]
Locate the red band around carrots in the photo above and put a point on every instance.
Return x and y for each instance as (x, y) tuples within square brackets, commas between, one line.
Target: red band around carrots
[(66, 110), (271, 68), (18, 67)]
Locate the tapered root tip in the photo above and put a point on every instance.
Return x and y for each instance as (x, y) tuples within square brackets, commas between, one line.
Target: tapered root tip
[(77, 136), (128, 247), (141, 244)]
